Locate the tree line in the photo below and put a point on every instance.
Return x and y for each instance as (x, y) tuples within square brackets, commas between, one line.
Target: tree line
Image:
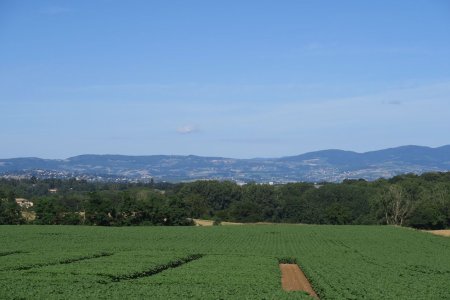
[(407, 200)]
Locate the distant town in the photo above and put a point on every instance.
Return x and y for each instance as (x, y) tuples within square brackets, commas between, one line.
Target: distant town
[(320, 166)]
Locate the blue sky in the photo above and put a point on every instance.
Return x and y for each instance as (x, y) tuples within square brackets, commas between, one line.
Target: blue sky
[(222, 78)]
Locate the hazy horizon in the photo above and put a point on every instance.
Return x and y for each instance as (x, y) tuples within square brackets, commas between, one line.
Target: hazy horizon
[(232, 79), (193, 154)]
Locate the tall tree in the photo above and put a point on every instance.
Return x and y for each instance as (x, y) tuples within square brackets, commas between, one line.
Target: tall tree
[(396, 205)]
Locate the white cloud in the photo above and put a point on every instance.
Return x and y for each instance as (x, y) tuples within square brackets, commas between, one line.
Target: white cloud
[(187, 129)]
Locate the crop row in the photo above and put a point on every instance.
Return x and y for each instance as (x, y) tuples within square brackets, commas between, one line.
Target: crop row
[(61, 262), (6, 253), (157, 269)]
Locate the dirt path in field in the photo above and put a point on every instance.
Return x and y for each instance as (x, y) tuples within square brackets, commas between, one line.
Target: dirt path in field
[(200, 222), (293, 279), (443, 232)]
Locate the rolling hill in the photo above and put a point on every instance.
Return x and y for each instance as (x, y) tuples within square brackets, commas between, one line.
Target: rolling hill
[(325, 165)]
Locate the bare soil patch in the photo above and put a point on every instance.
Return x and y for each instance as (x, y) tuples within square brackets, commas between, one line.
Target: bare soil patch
[(200, 222), (442, 232), (293, 279)]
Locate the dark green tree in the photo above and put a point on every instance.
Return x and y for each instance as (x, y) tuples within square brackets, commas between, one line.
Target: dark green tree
[(10, 212)]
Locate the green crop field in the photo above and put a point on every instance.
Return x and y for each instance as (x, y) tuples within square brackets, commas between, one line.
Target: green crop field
[(220, 262)]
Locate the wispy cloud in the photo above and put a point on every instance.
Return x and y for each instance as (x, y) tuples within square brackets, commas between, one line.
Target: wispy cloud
[(187, 129), (393, 102)]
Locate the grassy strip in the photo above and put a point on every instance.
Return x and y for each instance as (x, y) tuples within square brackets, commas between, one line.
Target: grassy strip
[(156, 269), (62, 262)]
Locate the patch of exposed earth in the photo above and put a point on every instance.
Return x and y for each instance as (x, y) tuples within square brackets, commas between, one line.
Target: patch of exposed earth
[(293, 279)]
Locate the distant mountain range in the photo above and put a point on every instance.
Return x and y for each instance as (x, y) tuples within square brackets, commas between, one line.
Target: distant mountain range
[(326, 165)]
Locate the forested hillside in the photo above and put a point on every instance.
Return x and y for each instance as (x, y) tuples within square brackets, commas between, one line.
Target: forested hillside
[(408, 200)]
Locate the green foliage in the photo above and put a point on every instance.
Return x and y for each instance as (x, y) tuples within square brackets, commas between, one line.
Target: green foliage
[(409, 200), (287, 260), (10, 212), (427, 215)]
